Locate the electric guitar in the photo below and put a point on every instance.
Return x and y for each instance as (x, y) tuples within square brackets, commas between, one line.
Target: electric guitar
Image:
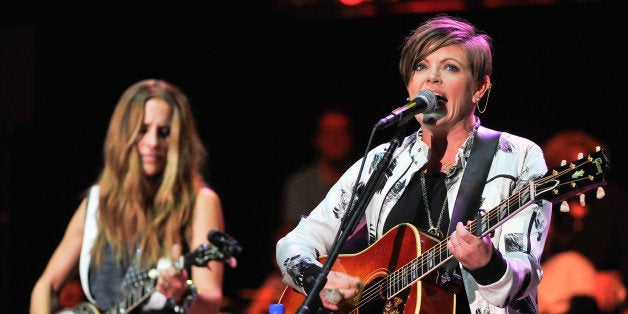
[(222, 248), (396, 268)]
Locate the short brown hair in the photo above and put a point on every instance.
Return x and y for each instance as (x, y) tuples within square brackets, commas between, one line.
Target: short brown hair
[(444, 30)]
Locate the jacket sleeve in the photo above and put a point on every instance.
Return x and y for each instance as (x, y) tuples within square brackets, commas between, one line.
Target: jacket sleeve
[(297, 253), (521, 238)]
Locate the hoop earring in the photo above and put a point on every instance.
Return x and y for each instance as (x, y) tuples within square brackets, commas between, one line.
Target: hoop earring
[(488, 94)]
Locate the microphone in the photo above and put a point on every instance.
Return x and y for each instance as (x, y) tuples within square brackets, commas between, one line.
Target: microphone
[(227, 242), (424, 102)]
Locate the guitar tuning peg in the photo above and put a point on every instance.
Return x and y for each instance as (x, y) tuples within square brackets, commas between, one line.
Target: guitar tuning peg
[(600, 192), (597, 148), (564, 207), (580, 155), (563, 162), (582, 202)]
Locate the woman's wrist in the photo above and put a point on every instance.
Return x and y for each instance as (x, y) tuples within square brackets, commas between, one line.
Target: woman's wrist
[(186, 301)]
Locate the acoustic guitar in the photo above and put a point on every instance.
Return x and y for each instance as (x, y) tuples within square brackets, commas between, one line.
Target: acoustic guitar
[(397, 270)]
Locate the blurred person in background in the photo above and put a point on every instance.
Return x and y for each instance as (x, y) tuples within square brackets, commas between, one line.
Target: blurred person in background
[(333, 141), (586, 256)]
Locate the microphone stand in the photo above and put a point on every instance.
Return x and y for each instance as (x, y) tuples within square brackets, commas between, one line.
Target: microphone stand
[(352, 217)]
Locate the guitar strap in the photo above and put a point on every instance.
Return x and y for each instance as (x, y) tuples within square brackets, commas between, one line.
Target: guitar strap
[(468, 198), (474, 177)]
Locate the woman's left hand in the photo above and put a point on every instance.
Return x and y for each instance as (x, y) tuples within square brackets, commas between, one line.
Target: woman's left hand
[(472, 252)]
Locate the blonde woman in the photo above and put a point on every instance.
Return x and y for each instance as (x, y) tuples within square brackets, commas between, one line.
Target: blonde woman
[(149, 205)]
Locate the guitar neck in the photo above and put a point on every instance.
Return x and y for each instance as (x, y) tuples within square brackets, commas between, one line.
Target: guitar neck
[(138, 294), (556, 185), (438, 255), (146, 285)]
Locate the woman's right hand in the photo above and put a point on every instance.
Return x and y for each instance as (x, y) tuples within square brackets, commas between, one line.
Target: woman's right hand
[(339, 288), (173, 282)]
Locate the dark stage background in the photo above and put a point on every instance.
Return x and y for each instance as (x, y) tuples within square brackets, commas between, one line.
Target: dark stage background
[(256, 78)]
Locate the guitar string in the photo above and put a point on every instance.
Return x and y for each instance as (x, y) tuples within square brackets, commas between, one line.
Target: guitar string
[(370, 293)]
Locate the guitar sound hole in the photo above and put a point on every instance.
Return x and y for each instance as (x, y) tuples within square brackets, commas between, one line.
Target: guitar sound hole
[(372, 300)]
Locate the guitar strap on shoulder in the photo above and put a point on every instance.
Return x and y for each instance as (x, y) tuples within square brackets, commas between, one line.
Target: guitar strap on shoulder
[(468, 198), (474, 177)]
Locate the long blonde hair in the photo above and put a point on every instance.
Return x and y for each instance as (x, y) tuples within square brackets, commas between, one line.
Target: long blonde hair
[(140, 214)]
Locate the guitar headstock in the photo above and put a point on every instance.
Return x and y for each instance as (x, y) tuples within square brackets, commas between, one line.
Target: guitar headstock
[(203, 254), (574, 178), (222, 248)]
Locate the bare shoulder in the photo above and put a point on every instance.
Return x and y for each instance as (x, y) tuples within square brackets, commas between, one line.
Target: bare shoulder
[(207, 192), (77, 223), (207, 197), (208, 211)]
